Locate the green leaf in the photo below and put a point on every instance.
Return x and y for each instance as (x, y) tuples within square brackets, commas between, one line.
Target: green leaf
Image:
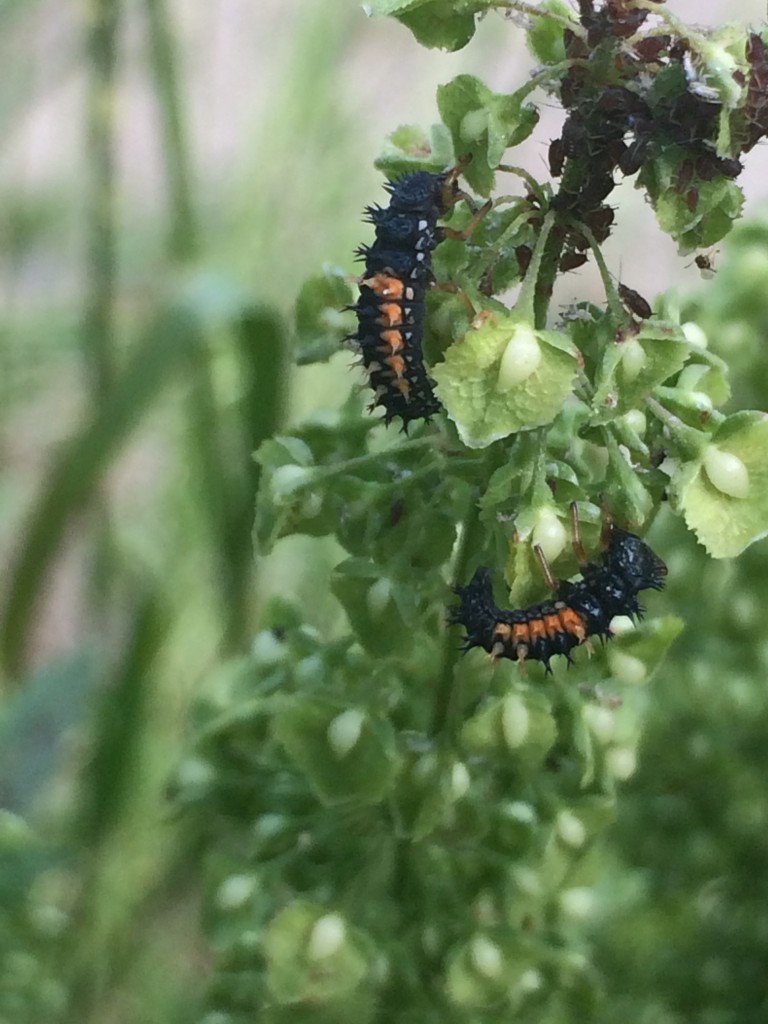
[(634, 364), (518, 726), (295, 971), (631, 502), (699, 225), (727, 523), (368, 600), (320, 323), (481, 382), (545, 35), (363, 773), (439, 25), (483, 125), (634, 656), (409, 148)]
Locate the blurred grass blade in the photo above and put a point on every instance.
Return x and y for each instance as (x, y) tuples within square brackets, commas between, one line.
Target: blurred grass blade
[(224, 441), (163, 352)]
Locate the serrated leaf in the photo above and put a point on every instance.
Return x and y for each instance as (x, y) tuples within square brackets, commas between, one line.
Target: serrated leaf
[(700, 225), (369, 601), (726, 525), (468, 382), (409, 148), (364, 774), (439, 25), (483, 125), (292, 976), (632, 366), (545, 36), (320, 322)]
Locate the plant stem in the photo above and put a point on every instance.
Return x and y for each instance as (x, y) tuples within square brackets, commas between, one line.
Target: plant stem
[(98, 326), (446, 697), (538, 12), (183, 241)]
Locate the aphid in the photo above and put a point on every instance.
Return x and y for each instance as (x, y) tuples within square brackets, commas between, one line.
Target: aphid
[(635, 302), (398, 271), (572, 260), (705, 261), (581, 609)]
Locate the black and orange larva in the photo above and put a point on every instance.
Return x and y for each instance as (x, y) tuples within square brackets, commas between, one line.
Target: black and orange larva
[(391, 307), (581, 609)]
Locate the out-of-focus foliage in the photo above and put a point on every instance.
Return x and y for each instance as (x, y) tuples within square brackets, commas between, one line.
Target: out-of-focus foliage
[(360, 825)]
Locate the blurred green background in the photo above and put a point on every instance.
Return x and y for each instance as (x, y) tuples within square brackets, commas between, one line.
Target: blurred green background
[(170, 174)]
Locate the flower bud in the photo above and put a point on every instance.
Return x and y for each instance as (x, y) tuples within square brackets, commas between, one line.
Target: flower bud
[(633, 359), (726, 472), (327, 937), (344, 731), (515, 721), (549, 533), (520, 358), (486, 957)]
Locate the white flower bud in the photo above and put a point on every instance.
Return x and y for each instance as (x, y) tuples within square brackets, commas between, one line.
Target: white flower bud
[(521, 358), (515, 722), (460, 780), (549, 533), (473, 124), (636, 421), (235, 891), (622, 762), (327, 937), (726, 472), (344, 731), (633, 359), (627, 668), (694, 334), (571, 829), (378, 597), (287, 479), (486, 957)]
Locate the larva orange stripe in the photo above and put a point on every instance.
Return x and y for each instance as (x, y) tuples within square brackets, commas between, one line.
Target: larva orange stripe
[(520, 633), (396, 364), (553, 625), (391, 314), (573, 623), (538, 629), (386, 286), (392, 339)]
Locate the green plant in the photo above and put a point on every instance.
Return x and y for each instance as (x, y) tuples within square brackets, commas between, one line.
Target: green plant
[(401, 834)]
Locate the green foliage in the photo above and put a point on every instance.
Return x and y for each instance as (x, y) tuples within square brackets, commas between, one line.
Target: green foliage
[(427, 832), (377, 828)]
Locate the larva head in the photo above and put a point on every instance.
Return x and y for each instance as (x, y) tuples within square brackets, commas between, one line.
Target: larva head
[(634, 562), (419, 191)]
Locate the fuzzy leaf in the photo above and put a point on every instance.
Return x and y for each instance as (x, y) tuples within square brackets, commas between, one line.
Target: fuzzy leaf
[(545, 36), (633, 366), (409, 148), (320, 322), (724, 524), (364, 774), (437, 23), (483, 125), (469, 382)]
